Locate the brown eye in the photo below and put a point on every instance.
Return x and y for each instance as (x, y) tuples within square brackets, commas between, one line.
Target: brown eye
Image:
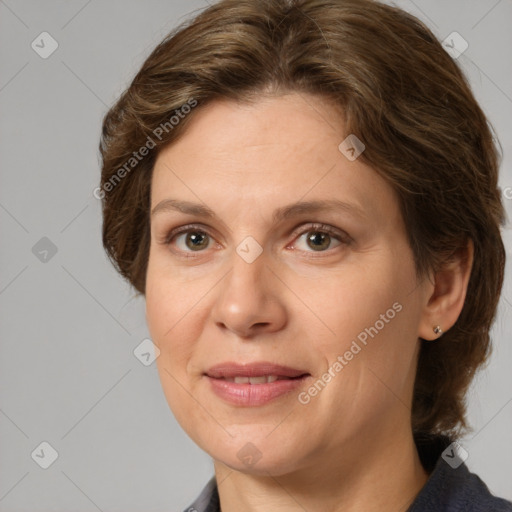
[(319, 238), (196, 240), (319, 241), (191, 240)]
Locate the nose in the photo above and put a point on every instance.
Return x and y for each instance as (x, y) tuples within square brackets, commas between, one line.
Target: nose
[(250, 299)]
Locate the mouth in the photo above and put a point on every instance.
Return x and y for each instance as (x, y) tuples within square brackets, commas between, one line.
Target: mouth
[(254, 384), (231, 370), (262, 379)]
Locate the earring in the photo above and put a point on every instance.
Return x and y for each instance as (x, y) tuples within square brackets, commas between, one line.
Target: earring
[(437, 330)]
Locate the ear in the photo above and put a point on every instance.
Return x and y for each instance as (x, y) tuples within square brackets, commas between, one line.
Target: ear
[(447, 294)]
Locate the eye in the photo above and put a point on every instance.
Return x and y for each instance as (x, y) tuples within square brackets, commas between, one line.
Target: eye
[(319, 238), (316, 238), (191, 239)]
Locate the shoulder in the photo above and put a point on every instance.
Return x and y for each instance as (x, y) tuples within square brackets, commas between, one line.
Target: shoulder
[(451, 487), (208, 500)]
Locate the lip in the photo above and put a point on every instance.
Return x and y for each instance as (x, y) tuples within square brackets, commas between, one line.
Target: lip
[(230, 369), (251, 395)]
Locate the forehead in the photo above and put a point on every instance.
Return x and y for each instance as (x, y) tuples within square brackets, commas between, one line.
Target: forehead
[(273, 152)]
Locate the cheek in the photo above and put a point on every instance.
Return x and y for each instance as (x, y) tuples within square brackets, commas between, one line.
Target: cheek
[(170, 320), (372, 318), (353, 300), (170, 312)]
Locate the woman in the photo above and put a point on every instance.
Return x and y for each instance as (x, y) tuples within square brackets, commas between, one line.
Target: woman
[(306, 194)]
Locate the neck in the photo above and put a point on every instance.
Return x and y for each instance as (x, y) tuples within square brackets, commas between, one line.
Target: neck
[(370, 475)]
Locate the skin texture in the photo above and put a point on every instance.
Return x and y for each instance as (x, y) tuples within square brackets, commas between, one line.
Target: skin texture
[(350, 447)]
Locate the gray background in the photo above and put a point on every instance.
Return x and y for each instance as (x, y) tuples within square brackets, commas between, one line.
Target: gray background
[(68, 375)]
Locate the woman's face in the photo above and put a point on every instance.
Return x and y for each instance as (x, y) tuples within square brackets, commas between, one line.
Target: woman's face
[(269, 246)]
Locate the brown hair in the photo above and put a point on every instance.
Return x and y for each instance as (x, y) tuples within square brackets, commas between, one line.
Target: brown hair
[(400, 93)]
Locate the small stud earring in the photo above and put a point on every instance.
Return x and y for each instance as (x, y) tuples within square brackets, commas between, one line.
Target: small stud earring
[(437, 330)]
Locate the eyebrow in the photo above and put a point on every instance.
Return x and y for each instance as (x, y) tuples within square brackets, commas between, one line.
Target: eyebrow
[(283, 213)]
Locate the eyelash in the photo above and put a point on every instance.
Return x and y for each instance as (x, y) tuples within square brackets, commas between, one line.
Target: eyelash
[(342, 237)]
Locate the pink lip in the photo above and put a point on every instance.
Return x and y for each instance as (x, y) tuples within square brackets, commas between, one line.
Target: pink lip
[(250, 395), (230, 369)]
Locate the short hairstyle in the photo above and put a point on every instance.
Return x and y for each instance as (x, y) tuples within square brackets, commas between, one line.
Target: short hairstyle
[(399, 92)]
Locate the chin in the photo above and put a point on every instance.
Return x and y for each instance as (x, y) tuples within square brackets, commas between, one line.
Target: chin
[(253, 453)]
